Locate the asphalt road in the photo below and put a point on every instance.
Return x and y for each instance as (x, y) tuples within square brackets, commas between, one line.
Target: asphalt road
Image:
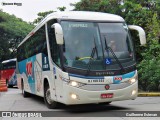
[(13, 101)]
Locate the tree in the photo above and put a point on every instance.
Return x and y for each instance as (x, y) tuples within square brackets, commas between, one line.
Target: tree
[(42, 15), (149, 67), (61, 8), (12, 32), (145, 13)]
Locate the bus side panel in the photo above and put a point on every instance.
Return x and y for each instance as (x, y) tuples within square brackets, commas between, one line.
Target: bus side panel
[(26, 69), (43, 71), (48, 75), (38, 74), (58, 83), (61, 79), (7, 74), (33, 71)]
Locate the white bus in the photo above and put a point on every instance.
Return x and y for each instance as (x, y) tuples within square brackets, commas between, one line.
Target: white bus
[(79, 58)]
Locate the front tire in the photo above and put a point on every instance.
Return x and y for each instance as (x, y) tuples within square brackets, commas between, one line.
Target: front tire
[(47, 98)]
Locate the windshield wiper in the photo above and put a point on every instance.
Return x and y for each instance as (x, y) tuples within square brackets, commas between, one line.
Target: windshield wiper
[(91, 56), (114, 55), (95, 46)]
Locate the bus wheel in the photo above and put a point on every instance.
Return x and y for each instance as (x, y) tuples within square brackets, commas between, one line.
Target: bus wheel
[(10, 86), (47, 98), (24, 93), (7, 83)]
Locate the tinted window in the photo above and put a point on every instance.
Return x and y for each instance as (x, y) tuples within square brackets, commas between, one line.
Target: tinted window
[(34, 45), (55, 52), (9, 65)]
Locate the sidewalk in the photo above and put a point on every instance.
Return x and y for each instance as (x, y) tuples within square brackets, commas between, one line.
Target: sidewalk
[(148, 94)]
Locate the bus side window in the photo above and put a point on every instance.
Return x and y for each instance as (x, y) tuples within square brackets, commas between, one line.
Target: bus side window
[(55, 52), (34, 45), (44, 48)]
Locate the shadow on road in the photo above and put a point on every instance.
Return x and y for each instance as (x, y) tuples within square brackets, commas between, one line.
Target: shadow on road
[(14, 87), (84, 108), (92, 108)]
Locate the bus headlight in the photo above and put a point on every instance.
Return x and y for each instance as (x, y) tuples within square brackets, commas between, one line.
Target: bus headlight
[(76, 84), (133, 80)]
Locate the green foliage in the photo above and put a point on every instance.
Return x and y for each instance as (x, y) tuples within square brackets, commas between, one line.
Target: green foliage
[(109, 6), (145, 13), (149, 67), (61, 8), (42, 15), (12, 32)]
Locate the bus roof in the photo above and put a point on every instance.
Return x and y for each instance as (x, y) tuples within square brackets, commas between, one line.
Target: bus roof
[(76, 15), (10, 60), (85, 15)]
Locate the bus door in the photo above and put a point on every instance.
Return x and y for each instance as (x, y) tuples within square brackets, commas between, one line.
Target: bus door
[(59, 82)]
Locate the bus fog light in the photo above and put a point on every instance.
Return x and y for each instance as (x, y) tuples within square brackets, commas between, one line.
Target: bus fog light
[(74, 96), (134, 92)]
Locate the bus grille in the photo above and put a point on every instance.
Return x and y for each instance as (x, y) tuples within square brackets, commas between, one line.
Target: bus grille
[(92, 87)]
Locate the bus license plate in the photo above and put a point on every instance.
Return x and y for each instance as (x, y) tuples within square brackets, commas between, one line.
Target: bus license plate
[(107, 95)]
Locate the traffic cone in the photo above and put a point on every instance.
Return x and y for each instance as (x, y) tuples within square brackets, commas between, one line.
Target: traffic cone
[(3, 86)]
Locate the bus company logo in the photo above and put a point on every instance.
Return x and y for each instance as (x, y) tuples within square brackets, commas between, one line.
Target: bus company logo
[(107, 87), (118, 78), (29, 68)]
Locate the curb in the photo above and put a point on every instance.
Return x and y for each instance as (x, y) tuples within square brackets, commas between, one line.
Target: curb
[(150, 94)]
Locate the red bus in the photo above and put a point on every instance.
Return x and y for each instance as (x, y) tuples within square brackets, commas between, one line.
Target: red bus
[(7, 72)]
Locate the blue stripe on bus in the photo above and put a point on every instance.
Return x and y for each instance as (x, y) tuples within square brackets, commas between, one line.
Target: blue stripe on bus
[(128, 75)]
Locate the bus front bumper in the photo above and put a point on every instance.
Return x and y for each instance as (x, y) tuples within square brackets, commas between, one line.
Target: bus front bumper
[(73, 95)]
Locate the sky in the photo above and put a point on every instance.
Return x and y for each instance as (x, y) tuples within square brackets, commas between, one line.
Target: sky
[(28, 9)]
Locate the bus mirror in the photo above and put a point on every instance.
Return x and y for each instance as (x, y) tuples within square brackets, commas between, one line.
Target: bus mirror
[(58, 33), (142, 35)]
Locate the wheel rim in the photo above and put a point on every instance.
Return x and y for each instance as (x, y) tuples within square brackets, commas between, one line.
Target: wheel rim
[(48, 96)]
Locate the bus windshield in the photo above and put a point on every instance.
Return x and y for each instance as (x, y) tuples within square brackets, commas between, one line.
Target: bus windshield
[(86, 45)]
